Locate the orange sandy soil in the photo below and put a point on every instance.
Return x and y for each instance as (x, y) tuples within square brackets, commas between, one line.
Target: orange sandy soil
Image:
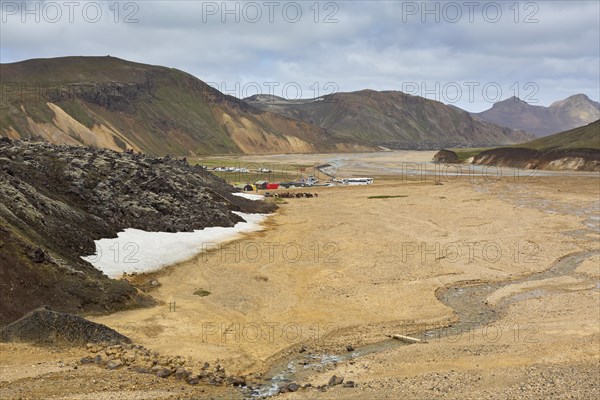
[(343, 269)]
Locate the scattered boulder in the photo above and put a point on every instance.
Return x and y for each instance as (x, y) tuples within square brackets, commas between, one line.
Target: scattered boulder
[(114, 364), (182, 373), (335, 380), (290, 387), (112, 350), (293, 387), (117, 352), (38, 255), (86, 360), (237, 380), (164, 373)]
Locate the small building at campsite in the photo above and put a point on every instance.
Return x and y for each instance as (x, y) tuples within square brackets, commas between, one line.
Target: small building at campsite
[(245, 187), (261, 184)]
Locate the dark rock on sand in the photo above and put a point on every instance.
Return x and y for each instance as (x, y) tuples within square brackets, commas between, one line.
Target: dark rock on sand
[(45, 326), (164, 373), (446, 156), (335, 380)]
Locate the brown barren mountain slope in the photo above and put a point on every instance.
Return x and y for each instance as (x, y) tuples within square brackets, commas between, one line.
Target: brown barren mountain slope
[(576, 149), (116, 104), (393, 119), (574, 111)]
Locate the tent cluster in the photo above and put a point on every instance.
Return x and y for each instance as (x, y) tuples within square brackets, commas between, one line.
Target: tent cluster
[(263, 185), (289, 195), (246, 187)]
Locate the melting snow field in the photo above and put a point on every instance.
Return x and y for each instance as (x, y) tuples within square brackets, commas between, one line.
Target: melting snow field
[(250, 196), (134, 250)]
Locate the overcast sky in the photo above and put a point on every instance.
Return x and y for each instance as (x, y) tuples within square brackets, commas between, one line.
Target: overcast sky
[(469, 53)]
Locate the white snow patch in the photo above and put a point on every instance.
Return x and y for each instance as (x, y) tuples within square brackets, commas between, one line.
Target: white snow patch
[(134, 250), (250, 196)]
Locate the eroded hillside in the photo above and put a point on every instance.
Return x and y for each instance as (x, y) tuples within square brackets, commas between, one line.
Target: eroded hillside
[(115, 104)]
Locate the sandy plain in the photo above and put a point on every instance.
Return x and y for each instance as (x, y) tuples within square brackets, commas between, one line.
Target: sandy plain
[(349, 268)]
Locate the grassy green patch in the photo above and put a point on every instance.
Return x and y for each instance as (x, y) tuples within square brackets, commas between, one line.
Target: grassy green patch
[(464, 154), (387, 197), (119, 142), (583, 137), (77, 112), (201, 292), (39, 112)]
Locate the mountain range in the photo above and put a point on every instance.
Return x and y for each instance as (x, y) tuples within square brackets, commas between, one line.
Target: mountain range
[(116, 104), (392, 119), (572, 112)]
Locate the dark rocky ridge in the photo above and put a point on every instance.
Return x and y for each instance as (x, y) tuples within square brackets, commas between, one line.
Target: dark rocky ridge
[(555, 159), (56, 200), (32, 274), (577, 149), (44, 326), (446, 156)]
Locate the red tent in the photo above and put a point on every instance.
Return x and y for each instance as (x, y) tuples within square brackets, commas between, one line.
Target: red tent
[(272, 186)]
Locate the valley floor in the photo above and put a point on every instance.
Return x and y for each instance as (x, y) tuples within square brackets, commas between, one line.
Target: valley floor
[(333, 274)]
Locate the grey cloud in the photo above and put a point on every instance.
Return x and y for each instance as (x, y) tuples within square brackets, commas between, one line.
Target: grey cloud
[(374, 45)]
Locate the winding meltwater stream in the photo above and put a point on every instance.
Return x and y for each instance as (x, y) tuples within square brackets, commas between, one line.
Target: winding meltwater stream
[(468, 300)]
